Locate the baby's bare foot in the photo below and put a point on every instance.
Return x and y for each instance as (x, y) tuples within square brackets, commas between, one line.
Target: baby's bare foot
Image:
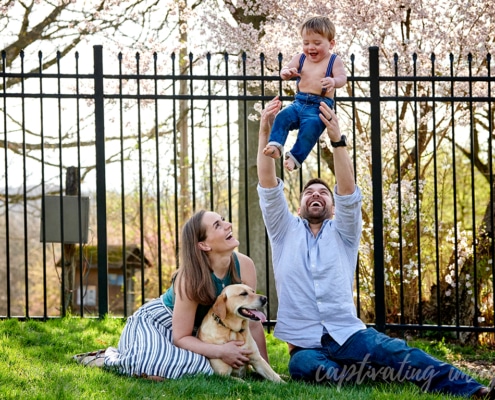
[(272, 151), (289, 164)]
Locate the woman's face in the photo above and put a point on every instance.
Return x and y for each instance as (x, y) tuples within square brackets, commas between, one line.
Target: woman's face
[(219, 235)]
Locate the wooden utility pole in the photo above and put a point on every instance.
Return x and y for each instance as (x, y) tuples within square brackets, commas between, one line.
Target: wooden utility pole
[(71, 189)]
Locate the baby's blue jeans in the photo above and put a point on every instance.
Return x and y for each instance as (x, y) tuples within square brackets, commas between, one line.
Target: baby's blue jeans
[(303, 114)]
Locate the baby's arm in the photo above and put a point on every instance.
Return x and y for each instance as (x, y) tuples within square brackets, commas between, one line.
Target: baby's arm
[(338, 78), (290, 70)]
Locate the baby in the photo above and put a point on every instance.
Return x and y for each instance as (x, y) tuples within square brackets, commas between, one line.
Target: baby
[(319, 72)]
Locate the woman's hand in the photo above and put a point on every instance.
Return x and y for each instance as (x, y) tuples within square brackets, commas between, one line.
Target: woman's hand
[(233, 354)]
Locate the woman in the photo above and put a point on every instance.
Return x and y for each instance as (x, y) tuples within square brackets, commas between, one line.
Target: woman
[(159, 340)]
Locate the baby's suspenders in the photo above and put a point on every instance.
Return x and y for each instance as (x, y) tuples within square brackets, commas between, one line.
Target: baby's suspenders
[(328, 73)]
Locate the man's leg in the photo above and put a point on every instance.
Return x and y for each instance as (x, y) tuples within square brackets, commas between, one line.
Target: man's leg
[(313, 365), (385, 358)]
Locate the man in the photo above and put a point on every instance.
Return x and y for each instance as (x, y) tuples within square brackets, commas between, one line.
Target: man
[(314, 258)]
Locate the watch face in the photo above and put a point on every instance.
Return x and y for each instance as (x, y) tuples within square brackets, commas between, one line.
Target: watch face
[(341, 143)]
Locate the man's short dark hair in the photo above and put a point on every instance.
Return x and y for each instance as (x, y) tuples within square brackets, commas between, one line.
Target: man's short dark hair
[(312, 182)]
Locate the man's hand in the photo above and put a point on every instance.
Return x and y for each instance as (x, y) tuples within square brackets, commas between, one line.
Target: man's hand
[(344, 170), (327, 115), (268, 115), (266, 165)]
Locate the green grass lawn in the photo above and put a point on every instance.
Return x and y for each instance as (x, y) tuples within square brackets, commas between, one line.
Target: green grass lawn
[(36, 363)]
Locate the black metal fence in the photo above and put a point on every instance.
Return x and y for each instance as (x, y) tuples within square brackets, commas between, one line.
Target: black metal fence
[(141, 150)]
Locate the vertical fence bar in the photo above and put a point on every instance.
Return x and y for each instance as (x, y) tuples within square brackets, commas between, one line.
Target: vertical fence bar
[(454, 188), (176, 186), (43, 190), (491, 227), (141, 176), (244, 130), (354, 163), (376, 175), (158, 179), (6, 163), (79, 203), (399, 188), (229, 146), (435, 180), (268, 265), (127, 287), (417, 157), (101, 199), (24, 188), (193, 135), (476, 238), (63, 249), (210, 131)]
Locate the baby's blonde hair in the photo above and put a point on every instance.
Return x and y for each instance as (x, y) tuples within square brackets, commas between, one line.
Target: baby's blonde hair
[(321, 25)]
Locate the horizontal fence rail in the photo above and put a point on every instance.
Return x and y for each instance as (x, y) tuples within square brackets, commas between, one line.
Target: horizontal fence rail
[(102, 168)]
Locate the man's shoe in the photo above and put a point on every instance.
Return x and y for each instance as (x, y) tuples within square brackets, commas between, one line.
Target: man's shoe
[(487, 393), (491, 390), (481, 393)]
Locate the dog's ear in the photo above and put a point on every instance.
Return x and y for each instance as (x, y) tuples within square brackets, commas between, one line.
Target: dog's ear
[(220, 306)]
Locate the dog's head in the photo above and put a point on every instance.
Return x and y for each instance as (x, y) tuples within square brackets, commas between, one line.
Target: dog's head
[(239, 301)]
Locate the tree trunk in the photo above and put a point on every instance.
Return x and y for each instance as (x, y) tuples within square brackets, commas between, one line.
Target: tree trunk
[(71, 189), (252, 234), (441, 307), (182, 130)]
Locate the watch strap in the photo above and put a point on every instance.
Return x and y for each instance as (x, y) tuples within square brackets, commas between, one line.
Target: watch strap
[(341, 143)]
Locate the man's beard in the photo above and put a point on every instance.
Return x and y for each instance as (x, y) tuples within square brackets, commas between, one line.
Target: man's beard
[(317, 216)]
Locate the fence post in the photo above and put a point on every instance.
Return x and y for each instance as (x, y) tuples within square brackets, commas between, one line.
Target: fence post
[(101, 199), (376, 175)]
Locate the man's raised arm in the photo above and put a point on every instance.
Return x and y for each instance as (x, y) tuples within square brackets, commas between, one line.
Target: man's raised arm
[(344, 171), (266, 165)]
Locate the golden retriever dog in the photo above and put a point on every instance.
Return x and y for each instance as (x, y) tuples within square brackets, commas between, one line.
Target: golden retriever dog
[(228, 319)]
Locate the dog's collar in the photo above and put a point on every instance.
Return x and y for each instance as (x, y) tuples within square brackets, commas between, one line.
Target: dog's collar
[(220, 322)]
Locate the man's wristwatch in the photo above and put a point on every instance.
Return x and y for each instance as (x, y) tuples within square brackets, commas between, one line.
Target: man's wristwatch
[(341, 143)]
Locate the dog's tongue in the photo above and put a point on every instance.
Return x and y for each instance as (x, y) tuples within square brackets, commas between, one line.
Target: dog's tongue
[(259, 314)]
